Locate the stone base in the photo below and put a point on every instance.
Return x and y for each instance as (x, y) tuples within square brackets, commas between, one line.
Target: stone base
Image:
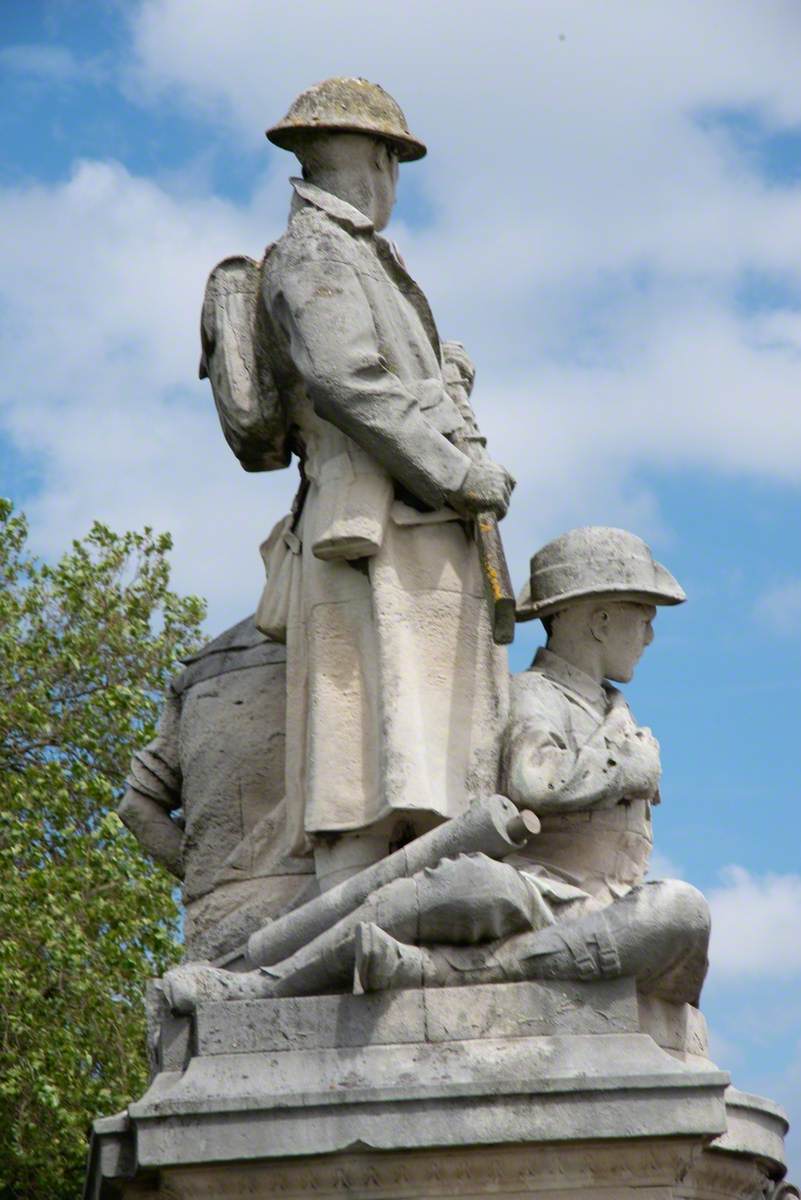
[(529, 1089)]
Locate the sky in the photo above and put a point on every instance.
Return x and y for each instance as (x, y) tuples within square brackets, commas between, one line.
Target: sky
[(609, 217)]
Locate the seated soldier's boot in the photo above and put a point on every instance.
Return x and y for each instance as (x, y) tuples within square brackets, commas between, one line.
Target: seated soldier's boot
[(384, 964), (191, 984)]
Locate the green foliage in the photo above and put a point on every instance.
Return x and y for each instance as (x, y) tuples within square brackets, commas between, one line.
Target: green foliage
[(86, 648)]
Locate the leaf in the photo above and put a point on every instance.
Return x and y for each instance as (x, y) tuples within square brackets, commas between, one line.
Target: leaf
[(87, 646)]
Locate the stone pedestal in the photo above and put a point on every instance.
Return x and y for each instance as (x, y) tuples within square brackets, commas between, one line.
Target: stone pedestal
[(529, 1089)]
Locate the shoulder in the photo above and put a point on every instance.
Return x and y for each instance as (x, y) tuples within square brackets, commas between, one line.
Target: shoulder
[(534, 691), (241, 647), (313, 235), (314, 259)]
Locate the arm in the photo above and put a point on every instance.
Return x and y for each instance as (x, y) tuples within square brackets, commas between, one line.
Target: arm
[(154, 791), (487, 486), (327, 318), (545, 773), (154, 829), (458, 374)]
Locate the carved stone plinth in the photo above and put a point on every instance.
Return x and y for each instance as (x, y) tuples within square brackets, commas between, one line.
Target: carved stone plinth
[(543, 1090)]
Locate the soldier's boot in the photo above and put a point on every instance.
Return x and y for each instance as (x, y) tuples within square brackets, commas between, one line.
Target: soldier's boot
[(384, 964), (658, 934)]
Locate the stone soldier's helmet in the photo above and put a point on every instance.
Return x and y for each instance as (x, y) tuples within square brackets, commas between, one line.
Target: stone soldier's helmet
[(595, 561), (351, 106)]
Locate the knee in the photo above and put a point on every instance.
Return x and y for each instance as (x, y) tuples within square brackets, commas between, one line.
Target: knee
[(468, 874), (683, 911), (471, 899)]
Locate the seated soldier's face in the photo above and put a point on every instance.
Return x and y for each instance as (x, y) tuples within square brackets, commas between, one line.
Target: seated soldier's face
[(626, 631), (385, 184)]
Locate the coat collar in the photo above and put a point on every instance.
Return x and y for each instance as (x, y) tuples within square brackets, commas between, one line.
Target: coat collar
[(346, 214), (571, 678)]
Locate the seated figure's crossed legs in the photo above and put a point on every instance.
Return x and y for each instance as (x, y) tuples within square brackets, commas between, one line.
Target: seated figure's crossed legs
[(463, 901), (474, 920), (658, 934), (466, 900)]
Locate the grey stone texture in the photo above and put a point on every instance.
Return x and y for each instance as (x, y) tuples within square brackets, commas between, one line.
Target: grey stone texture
[(555, 1087), (490, 826), (572, 903), (365, 732), (205, 796), (596, 561), (331, 332), (503, 1006)]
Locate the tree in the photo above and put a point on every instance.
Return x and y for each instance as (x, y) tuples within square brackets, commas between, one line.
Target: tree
[(86, 648)]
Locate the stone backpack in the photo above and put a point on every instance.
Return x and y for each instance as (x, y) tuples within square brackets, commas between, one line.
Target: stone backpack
[(235, 358)]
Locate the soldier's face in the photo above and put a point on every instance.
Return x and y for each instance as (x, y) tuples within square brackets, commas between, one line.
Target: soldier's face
[(625, 630), (385, 184)]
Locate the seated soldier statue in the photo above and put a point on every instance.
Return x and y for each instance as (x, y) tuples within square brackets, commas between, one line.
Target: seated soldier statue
[(574, 903), (205, 796)]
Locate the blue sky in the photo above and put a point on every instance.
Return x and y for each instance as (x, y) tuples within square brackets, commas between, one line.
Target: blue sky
[(609, 218)]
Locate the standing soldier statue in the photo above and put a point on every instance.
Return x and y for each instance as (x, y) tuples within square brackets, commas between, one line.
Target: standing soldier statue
[(327, 349)]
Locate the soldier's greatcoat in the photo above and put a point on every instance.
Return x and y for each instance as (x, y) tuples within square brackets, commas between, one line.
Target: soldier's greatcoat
[(396, 692)]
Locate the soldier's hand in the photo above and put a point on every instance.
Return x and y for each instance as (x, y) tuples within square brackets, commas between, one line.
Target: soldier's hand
[(487, 487), (639, 762)]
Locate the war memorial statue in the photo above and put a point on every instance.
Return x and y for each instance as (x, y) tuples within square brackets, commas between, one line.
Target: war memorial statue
[(424, 956)]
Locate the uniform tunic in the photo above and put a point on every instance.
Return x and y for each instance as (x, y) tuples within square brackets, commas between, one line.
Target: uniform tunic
[(566, 757), (218, 757)]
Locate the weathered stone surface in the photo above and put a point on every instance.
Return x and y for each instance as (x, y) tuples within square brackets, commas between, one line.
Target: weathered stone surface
[(505, 1089), (515, 1010), (204, 797), (594, 561), (678, 1027), (755, 1127), (442, 1015), (573, 903), (450, 1094), (641, 1170), (621, 1168), (321, 1022)]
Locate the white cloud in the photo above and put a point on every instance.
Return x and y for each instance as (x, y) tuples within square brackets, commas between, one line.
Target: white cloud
[(663, 867), (103, 277), (462, 59), (780, 608), (756, 925), (101, 286), (586, 242)]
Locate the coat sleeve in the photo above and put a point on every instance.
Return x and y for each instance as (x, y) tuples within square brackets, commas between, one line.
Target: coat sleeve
[(154, 791), (458, 374), (326, 316)]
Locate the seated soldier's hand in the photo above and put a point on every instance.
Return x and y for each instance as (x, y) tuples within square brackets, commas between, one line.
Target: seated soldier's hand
[(487, 487), (639, 753)]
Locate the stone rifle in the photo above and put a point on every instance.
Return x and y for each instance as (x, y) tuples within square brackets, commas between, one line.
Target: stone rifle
[(492, 825), (494, 568), (497, 581)]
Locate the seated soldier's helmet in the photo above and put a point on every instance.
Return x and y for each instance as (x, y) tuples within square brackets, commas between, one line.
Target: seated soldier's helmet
[(351, 106), (595, 561)]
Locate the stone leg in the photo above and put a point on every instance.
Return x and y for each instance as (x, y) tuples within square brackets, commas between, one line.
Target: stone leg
[(658, 934), (463, 901)]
